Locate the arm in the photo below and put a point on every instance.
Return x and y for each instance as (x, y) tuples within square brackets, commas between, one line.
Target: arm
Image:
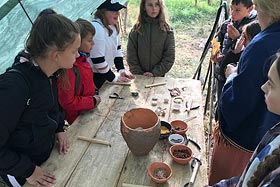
[(242, 94), (14, 94), (68, 100), (168, 56), (132, 54)]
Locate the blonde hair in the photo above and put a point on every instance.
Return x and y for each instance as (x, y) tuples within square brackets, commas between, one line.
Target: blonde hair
[(163, 20), (270, 7), (100, 14)]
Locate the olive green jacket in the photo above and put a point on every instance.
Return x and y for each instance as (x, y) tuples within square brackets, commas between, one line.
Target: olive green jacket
[(153, 50)]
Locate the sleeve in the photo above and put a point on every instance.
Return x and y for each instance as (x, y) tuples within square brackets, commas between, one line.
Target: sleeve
[(14, 93), (132, 54), (67, 98), (232, 182), (228, 59), (168, 56), (221, 34), (97, 53), (242, 94), (118, 61)]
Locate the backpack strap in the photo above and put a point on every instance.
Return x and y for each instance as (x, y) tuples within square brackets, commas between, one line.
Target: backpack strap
[(77, 80), (26, 81)]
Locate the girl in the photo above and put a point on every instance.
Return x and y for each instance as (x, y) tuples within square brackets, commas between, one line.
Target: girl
[(151, 45), (264, 166), (29, 91), (107, 49), (76, 98)]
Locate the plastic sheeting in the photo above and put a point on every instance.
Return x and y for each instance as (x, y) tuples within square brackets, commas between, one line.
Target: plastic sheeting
[(15, 26)]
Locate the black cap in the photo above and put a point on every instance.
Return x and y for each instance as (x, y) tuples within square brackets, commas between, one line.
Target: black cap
[(111, 5)]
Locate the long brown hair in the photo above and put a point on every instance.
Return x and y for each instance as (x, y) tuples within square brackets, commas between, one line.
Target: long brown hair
[(100, 14), (51, 31), (163, 20)]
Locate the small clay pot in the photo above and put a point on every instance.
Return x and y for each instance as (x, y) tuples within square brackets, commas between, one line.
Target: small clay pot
[(179, 127), (181, 154), (140, 129), (159, 172)]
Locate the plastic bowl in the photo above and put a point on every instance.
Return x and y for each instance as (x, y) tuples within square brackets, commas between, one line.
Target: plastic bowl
[(179, 127), (159, 172), (175, 139), (181, 154), (165, 130)]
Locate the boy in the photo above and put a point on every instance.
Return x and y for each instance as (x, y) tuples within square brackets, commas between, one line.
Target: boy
[(77, 94), (242, 13)]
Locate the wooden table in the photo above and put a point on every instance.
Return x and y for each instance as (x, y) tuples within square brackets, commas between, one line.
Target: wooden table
[(95, 165)]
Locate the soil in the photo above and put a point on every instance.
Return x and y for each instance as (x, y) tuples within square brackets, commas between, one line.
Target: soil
[(160, 173)]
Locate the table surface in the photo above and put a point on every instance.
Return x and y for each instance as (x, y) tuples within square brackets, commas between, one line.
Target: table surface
[(95, 165)]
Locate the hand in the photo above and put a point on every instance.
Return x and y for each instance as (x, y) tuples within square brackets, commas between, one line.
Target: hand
[(239, 46), (127, 74), (41, 178), (230, 69), (98, 99), (148, 74), (217, 58), (233, 33), (62, 142), (123, 79)]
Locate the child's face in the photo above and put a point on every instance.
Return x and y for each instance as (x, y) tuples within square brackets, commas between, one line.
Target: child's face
[(87, 43), (65, 59), (272, 90), (112, 17), (238, 12), (152, 8)]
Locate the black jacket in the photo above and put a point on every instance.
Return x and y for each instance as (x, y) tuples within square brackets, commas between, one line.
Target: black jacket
[(29, 119), (226, 42)]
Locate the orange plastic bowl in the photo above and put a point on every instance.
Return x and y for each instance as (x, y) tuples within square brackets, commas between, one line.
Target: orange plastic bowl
[(159, 172), (179, 127), (181, 154)]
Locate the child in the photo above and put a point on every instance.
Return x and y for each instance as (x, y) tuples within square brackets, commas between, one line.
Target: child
[(232, 57), (77, 98), (151, 45), (242, 13), (29, 92), (107, 49), (264, 166), (243, 116)]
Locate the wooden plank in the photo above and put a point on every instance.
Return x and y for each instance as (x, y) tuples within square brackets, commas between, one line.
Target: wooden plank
[(101, 165)]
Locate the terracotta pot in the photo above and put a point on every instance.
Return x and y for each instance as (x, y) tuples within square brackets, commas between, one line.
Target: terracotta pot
[(159, 172), (179, 127), (180, 154), (140, 129)]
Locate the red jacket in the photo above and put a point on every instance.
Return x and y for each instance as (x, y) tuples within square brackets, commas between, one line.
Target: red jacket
[(83, 100)]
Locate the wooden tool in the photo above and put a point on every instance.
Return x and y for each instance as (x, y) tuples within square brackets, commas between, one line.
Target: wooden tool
[(156, 84), (93, 140), (190, 118), (195, 170), (134, 185), (121, 83)]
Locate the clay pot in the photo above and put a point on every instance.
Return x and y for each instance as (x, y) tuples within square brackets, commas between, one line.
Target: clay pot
[(180, 154), (140, 129), (159, 172), (179, 127)]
